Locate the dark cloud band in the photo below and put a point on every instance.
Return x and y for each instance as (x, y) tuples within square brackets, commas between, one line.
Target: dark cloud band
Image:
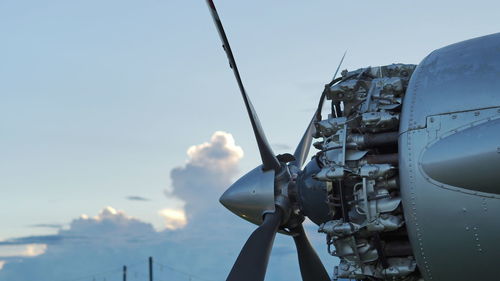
[(137, 198)]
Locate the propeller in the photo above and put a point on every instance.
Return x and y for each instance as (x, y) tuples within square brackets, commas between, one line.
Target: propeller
[(302, 149), (304, 145), (261, 196), (311, 267), (269, 161), (251, 263)]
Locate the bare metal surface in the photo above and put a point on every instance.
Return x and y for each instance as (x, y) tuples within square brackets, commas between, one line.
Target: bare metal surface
[(453, 227), (456, 78), (251, 195), (468, 158)]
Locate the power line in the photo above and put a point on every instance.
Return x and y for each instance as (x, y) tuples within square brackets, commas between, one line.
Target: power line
[(119, 269), (144, 262), (182, 272), (104, 272), (147, 276)]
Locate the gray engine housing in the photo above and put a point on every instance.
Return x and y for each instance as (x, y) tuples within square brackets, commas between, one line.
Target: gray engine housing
[(449, 161)]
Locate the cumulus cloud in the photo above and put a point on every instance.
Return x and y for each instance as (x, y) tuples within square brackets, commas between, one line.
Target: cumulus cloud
[(221, 154), (90, 244), (110, 225), (173, 218), (104, 242), (210, 169), (203, 240)]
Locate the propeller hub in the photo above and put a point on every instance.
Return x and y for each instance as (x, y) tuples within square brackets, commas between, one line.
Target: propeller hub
[(251, 196)]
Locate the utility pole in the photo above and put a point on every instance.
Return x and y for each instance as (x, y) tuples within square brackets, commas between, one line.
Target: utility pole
[(124, 273), (150, 268)]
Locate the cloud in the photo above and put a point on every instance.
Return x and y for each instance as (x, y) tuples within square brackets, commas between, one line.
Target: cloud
[(173, 218), (47, 225), (36, 239), (210, 169), (220, 155), (33, 250), (110, 225), (90, 244), (111, 239), (137, 198), (281, 146), (203, 240), (22, 250)]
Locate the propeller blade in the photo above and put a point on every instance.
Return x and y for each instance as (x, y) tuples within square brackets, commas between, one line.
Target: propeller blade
[(336, 105), (338, 67), (304, 145), (269, 160), (252, 261), (311, 267)]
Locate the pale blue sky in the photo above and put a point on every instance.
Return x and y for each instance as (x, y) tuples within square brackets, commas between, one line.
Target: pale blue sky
[(99, 100)]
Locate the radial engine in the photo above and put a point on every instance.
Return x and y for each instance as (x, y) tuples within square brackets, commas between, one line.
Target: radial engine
[(357, 163)]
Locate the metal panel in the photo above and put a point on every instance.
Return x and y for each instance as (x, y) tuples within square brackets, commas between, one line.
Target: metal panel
[(453, 230), (454, 235), (459, 77), (468, 157)]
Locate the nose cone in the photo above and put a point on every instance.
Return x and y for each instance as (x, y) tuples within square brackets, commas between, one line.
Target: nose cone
[(251, 195)]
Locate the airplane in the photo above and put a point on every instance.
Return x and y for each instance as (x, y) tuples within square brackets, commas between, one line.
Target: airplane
[(406, 180)]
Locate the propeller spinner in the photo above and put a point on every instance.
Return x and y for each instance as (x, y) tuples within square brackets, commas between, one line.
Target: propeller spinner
[(262, 195)]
